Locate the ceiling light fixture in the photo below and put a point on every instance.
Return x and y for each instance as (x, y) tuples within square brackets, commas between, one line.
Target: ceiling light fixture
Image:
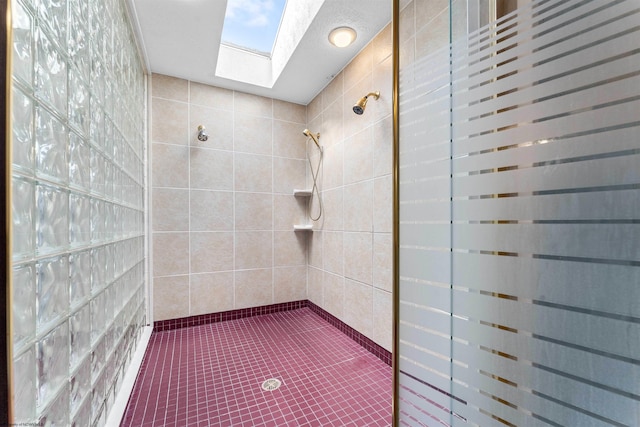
[(342, 36)]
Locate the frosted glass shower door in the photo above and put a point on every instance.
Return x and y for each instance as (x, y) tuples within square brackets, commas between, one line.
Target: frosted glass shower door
[(424, 343), (522, 306)]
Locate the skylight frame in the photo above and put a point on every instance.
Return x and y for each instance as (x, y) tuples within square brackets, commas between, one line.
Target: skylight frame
[(254, 50)]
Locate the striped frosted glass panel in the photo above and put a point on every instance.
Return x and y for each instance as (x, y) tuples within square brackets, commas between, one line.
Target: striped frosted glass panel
[(535, 310), (545, 180), (425, 235)]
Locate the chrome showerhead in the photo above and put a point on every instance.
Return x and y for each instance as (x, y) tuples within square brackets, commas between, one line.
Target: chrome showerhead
[(202, 135), (315, 137), (359, 107)]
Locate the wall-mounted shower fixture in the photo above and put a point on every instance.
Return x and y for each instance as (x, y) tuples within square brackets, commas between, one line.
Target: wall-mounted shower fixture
[(202, 134), (362, 102), (314, 175), (315, 137)]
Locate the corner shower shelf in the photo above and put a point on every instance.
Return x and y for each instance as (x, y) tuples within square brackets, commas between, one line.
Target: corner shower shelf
[(301, 193), (304, 227)]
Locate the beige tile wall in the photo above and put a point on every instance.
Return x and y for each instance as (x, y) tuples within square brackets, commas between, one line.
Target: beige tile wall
[(223, 210), (350, 249)]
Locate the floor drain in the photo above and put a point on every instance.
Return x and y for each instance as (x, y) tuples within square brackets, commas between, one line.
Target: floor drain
[(271, 384)]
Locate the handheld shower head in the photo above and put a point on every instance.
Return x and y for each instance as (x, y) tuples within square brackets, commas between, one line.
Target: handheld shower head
[(308, 134), (359, 106), (202, 135)]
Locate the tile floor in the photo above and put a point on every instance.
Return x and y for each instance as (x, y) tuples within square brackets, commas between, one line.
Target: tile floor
[(211, 375)]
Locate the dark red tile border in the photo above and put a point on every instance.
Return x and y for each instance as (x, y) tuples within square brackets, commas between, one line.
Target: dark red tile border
[(203, 319), (377, 350)]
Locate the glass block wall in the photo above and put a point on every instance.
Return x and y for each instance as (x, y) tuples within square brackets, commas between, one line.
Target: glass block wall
[(78, 208)]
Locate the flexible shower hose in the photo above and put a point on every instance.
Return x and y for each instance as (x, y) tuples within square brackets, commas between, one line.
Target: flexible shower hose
[(314, 189)]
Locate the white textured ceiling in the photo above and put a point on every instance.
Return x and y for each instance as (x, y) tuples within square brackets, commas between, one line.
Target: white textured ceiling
[(181, 38)]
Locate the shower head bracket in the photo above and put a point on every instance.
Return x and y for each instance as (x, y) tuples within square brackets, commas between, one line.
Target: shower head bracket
[(315, 137)]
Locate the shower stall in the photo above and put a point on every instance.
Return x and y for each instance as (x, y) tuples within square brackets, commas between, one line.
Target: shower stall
[(507, 220)]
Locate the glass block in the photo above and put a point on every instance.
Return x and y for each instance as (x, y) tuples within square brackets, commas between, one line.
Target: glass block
[(79, 219), (51, 74), (24, 371), (52, 144), (97, 14), (98, 321), (140, 249), (52, 290), (52, 363), (107, 44), (117, 381), (79, 162), (110, 396), (108, 98), (108, 179), (80, 384), (79, 276), (117, 219), (99, 416), (109, 304), (97, 173), (140, 219), (82, 417), (79, 9), (110, 263), (97, 76), (24, 304), (57, 413), (96, 127), (78, 43), (23, 217), (109, 341), (53, 13), (139, 272), (108, 136), (79, 113), (126, 214), (97, 399), (98, 269), (22, 125), (97, 220), (118, 143), (98, 361), (22, 60), (80, 330), (128, 248), (126, 190), (118, 46), (52, 223)]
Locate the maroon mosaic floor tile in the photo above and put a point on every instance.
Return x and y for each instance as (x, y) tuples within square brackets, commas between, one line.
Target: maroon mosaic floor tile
[(211, 375)]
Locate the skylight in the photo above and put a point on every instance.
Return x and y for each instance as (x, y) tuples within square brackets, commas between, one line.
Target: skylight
[(252, 24)]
